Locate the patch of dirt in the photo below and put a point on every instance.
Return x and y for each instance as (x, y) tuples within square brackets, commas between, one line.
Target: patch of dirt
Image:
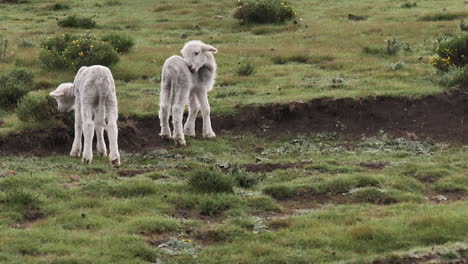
[(436, 256), (445, 197), (438, 117), (269, 167), (30, 217), (196, 215), (132, 173), (377, 165)]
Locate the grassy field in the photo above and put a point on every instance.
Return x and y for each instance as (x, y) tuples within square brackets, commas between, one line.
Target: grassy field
[(241, 198), (320, 56), (323, 201)]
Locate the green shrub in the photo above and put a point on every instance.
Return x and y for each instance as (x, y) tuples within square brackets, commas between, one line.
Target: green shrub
[(206, 180), (264, 11), (451, 52), (121, 42), (74, 21), (246, 69), (36, 108), (14, 85), (59, 7), (68, 51), (452, 77), (262, 203)]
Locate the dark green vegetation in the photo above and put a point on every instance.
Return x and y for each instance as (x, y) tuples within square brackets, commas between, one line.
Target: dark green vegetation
[(346, 202)]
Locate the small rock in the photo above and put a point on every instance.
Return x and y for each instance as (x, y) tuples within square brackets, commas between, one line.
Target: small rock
[(356, 18), (7, 173), (183, 36), (440, 198), (218, 17)]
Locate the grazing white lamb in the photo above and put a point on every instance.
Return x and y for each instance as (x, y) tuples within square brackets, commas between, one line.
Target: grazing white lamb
[(187, 80), (91, 93)]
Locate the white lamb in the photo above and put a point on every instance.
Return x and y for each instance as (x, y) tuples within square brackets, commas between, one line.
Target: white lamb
[(187, 80), (91, 93)]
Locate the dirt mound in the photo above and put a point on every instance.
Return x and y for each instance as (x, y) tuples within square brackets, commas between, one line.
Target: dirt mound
[(439, 117)]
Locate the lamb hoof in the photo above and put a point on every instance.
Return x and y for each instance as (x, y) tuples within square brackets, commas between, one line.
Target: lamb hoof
[(189, 132), (116, 163), (75, 154), (180, 141), (209, 135), (86, 161), (165, 137)]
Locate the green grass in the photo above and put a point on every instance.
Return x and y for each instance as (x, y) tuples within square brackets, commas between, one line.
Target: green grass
[(56, 210), (291, 62)]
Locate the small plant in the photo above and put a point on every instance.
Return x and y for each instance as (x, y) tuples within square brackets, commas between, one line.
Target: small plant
[(68, 51), (463, 26), (60, 6), (74, 21), (121, 42), (246, 69), (14, 85), (264, 11), (409, 4), (35, 108), (206, 180), (26, 44), (400, 65)]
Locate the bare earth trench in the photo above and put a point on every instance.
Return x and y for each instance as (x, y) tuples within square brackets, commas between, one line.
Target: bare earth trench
[(441, 118)]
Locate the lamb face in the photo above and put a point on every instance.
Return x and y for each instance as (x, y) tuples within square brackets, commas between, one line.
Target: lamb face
[(64, 97), (196, 54)]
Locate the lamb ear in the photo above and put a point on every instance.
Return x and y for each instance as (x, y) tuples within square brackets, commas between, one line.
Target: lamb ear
[(182, 51), (209, 49), (56, 93)]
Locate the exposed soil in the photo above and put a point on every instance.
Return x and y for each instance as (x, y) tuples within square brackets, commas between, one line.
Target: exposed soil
[(269, 167), (132, 173), (435, 257), (439, 117)]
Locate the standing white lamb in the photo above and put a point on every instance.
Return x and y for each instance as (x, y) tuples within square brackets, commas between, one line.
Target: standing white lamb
[(91, 93), (187, 80)]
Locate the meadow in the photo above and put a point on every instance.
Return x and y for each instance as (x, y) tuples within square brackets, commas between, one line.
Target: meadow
[(241, 197)]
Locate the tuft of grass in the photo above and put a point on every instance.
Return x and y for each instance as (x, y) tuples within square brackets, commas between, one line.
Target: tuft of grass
[(289, 59), (441, 17), (21, 200), (113, 3), (262, 204), (214, 204), (26, 44), (210, 180), (243, 178), (264, 11), (152, 225), (279, 191), (74, 21), (60, 7), (246, 69), (409, 4), (396, 66)]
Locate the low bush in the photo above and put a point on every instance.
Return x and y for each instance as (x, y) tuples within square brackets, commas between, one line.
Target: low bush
[(121, 42), (26, 44), (243, 178), (14, 85), (68, 51), (206, 181), (74, 21), (395, 66), (59, 7), (264, 11), (36, 108), (279, 191)]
